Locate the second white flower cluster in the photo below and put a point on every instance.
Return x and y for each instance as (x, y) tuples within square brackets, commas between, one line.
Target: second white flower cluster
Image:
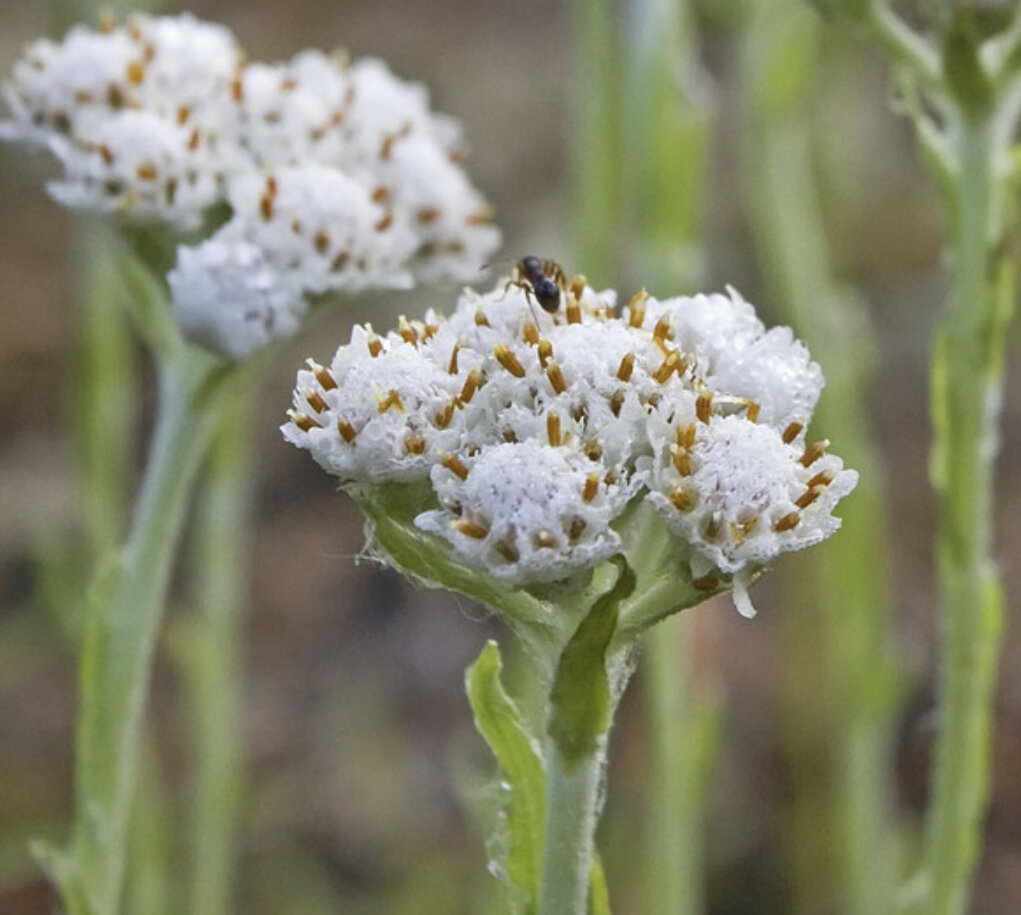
[(331, 175), (538, 431)]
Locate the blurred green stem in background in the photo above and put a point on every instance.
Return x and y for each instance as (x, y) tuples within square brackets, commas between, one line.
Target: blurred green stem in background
[(667, 126), (207, 645), (663, 126), (105, 400), (841, 684), (124, 613), (595, 138), (963, 93)]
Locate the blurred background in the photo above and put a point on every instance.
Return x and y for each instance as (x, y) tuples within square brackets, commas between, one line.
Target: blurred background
[(361, 763)]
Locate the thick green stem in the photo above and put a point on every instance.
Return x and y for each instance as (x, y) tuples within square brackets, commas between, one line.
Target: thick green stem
[(572, 798), (679, 734), (121, 638), (967, 388)]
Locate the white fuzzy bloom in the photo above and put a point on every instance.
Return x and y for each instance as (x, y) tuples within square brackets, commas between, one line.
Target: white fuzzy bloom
[(319, 225), (520, 512), (536, 431), (746, 496), (339, 173), (139, 117), (139, 167), (229, 299), (372, 416)]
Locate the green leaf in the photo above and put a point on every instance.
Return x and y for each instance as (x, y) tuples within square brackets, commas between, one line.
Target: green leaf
[(392, 510), (500, 722), (580, 697)]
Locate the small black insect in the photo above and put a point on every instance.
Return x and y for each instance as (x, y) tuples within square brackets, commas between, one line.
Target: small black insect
[(545, 279)]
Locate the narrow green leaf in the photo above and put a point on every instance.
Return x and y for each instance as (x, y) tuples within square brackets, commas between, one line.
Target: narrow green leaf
[(580, 698), (500, 722)]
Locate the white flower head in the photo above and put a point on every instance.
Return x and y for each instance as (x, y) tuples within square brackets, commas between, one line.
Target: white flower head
[(377, 412), (526, 511), (138, 116), (229, 299), (536, 431), (324, 176)]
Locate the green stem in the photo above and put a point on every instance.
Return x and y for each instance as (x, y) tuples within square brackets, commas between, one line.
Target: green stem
[(674, 871), (104, 404), (594, 137), (842, 772), (121, 637), (210, 654), (967, 387), (572, 797)]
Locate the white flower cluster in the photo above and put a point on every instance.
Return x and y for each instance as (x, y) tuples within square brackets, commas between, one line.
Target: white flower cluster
[(538, 430), (337, 175)]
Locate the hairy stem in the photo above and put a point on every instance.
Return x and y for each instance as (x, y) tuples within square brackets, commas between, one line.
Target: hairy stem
[(966, 391), (122, 630), (210, 656)]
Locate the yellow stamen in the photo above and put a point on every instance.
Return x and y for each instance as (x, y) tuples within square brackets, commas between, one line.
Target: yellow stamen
[(414, 444), (452, 368), (346, 430), (454, 465), (326, 381), (480, 318), (791, 432), (573, 309), (821, 479), (443, 418), (530, 333), (553, 429), (788, 522), (682, 498), (392, 399), (406, 331), (704, 406), (673, 362), (508, 360), (303, 421), (471, 385), (591, 487), (809, 496), (556, 377), (813, 452), (636, 309), (753, 411), (627, 366), (471, 529), (545, 352), (663, 331), (315, 401)]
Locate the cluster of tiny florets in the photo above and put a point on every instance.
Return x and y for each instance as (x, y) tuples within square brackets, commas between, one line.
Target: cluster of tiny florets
[(537, 431), (337, 172)]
